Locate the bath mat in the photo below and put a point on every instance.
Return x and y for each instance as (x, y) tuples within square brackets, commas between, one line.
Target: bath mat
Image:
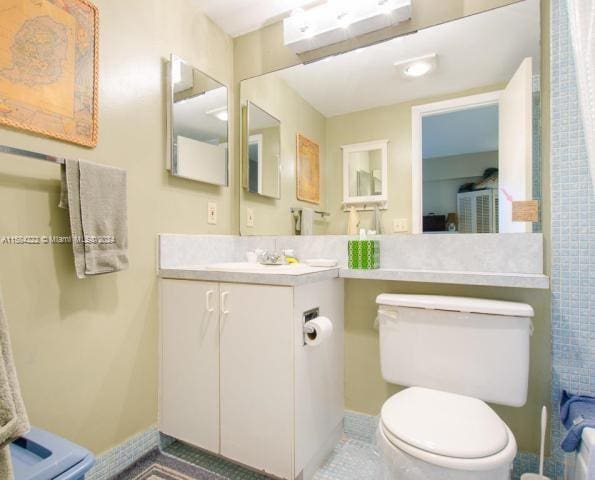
[(156, 466), (159, 472)]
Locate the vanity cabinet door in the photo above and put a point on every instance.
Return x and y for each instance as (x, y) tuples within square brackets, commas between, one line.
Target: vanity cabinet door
[(257, 377), (189, 373)]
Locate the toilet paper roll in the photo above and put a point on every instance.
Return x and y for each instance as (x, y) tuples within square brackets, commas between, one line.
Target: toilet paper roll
[(322, 329)]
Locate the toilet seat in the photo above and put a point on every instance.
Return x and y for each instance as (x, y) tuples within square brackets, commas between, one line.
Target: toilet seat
[(447, 430)]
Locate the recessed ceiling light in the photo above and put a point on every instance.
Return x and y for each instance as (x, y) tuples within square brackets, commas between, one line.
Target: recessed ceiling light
[(223, 116), (417, 67), (219, 113)]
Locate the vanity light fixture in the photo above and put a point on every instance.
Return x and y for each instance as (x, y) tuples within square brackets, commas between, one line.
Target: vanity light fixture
[(301, 20), (385, 6), (219, 113), (342, 10), (338, 20), (417, 67)]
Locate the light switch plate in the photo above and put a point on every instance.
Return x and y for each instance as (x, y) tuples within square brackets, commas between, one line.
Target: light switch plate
[(212, 213), (249, 217), (400, 225)]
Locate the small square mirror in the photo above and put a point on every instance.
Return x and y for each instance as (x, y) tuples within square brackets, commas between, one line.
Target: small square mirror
[(365, 173)]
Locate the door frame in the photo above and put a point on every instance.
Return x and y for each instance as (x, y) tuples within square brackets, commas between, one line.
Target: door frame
[(418, 112)]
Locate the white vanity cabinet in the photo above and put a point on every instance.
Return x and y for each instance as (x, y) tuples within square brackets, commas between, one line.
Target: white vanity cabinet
[(237, 379)]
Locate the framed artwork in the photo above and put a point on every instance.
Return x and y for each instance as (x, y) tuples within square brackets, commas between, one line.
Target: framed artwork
[(308, 170), (49, 68)]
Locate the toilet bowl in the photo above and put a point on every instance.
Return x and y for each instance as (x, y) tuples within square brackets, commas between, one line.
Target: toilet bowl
[(454, 354), (425, 433)]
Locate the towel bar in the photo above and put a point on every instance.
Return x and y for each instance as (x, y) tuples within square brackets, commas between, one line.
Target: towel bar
[(30, 154), (319, 212)]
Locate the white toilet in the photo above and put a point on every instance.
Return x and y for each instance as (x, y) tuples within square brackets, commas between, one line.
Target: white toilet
[(454, 354)]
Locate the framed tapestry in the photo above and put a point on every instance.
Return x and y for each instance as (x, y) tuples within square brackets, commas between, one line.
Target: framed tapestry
[(308, 170), (49, 68)]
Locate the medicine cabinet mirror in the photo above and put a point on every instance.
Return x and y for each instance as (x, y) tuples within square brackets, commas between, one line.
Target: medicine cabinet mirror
[(439, 128), (261, 152), (198, 124), (365, 173)]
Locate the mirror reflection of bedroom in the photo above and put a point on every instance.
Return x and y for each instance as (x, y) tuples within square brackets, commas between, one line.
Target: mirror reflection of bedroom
[(460, 170)]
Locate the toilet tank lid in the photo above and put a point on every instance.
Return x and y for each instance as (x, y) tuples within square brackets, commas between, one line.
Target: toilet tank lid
[(456, 304)]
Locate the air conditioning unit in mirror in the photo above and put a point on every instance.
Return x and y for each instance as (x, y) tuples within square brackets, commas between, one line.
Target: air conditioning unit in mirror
[(338, 20)]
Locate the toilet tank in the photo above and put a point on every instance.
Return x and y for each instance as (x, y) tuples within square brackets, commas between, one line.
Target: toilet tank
[(469, 346)]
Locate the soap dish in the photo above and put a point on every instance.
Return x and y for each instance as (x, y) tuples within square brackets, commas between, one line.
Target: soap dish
[(321, 262)]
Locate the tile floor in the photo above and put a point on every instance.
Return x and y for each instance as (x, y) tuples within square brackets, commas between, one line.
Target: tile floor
[(354, 458), (351, 460)]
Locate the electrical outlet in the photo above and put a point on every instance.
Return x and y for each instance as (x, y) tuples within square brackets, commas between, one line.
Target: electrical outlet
[(212, 213), (400, 225), (249, 217)]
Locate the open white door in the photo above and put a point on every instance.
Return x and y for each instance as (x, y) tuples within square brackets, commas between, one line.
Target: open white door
[(516, 147)]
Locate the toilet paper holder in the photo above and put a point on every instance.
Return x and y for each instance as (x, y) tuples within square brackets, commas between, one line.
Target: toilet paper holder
[(307, 316)]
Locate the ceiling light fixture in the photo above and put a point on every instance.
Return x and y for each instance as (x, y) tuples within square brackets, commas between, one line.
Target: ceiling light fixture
[(301, 19), (385, 6), (177, 70), (223, 116), (337, 20), (344, 20), (342, 10), (219, 113), (417, 67)]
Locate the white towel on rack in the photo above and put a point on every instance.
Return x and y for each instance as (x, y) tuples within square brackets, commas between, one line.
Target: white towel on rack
[(307, 224)]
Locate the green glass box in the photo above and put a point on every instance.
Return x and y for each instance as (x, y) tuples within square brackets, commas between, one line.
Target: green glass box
[(363, 254)]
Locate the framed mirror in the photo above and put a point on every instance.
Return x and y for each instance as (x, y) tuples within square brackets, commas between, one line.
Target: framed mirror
[(198, 124), (261, 151), (365, 173)]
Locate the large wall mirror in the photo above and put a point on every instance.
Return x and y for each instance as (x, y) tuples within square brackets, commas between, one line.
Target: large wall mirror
[(457, 107), (198, 119)]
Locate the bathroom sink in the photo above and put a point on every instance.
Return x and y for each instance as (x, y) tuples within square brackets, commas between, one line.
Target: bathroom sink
[(245, 267)]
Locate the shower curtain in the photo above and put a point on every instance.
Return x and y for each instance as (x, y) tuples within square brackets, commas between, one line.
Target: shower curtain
[(582, 31)]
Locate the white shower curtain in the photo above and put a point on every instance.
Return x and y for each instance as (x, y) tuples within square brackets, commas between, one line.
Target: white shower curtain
[(582, 31)]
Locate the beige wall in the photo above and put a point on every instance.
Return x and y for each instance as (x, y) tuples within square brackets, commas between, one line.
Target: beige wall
[(86, 350), (272, 94)]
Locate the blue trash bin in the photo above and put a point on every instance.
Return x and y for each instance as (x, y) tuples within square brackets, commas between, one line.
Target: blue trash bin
[(41, 455)]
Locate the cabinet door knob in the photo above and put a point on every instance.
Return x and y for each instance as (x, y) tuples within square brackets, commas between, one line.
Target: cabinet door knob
[(210, 308), (224, 309)]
